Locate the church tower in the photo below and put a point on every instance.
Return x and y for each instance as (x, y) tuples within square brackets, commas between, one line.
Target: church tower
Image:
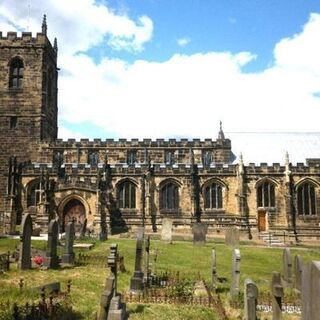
[(28, 97)]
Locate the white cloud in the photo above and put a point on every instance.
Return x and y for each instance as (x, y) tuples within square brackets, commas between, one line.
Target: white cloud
[(182, 42), (188, 95), (78, 24), (183, 96)]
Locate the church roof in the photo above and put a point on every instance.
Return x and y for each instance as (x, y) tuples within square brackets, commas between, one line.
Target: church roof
[(270, 147)]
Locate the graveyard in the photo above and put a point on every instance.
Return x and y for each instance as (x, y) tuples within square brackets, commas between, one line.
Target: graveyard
[(144, 276)]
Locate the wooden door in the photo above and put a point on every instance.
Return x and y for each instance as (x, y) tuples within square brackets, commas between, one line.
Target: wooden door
[(74, 211), (262, 221)]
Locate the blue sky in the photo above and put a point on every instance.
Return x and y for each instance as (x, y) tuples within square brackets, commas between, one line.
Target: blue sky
[(211, 25), (175, 68)]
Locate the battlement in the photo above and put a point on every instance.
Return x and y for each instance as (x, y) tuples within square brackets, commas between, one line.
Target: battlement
[(137, 143), (13, 40), (26, 39)]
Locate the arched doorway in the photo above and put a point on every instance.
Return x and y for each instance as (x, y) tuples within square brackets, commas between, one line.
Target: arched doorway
[(74, 210)]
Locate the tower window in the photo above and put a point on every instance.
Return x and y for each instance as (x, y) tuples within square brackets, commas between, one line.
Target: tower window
[(16, 74), (13, 122)]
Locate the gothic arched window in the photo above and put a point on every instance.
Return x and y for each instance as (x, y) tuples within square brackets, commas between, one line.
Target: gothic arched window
[(169, 197), (213, 196), (266, 195), (306, 199), (127, 195), (16, 73)]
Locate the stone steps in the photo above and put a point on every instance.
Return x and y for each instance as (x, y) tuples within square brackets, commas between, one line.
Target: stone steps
[(270, 240)]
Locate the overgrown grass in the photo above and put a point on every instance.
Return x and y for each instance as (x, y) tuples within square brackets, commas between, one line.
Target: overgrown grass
[(88, 280)]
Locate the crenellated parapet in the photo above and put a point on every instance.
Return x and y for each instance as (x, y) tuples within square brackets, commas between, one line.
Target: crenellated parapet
[(140, 143), (25, 39)]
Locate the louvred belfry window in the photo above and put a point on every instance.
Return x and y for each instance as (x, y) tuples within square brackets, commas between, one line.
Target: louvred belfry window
[(16, 74)]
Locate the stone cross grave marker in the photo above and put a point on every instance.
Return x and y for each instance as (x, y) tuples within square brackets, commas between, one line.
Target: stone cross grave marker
[(25, 243), (250, 300), (146, 260), (214, 275), (51, 260), (117, 309), (298, 264), (277, 296), (235, 281), (310, 291), (136, 282), (199, 230), (68, 256), (166, 232), (232, 236), (287, 268)]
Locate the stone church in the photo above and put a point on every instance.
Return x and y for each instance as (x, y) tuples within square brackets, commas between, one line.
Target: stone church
[(116, 185)]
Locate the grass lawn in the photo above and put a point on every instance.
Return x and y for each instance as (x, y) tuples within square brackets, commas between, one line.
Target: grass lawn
[(88, 280)]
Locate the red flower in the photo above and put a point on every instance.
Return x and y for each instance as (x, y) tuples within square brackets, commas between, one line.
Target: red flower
[(38, 260)]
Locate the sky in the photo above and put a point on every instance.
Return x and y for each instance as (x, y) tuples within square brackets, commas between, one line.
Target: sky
[(176, 68)]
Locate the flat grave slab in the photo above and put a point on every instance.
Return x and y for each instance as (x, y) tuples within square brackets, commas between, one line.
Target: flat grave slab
[(87, 246)]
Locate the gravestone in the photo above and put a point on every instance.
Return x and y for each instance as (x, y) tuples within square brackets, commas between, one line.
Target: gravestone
[(235, 274), (68, 256), (232, 236), (146, 261), (214, 275), (166, 232), (25, 243), (310, 291), (117, 309), (136, 282), (51, 260), (83, 228), (277, 295), (250, 300), (199, 231), (298, 263), (287, 268)]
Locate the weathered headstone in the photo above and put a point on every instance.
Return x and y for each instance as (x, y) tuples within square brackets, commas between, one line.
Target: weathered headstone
[(310, 291), (146, 261), (51, 259), (199, 230), (235, 281), (68, 256), (214, 275), (232, 236), (250, 300), (298, 263), (287, 268), (166, 232), (83, 228), (277, 295), (136, 282), (25, 245)]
